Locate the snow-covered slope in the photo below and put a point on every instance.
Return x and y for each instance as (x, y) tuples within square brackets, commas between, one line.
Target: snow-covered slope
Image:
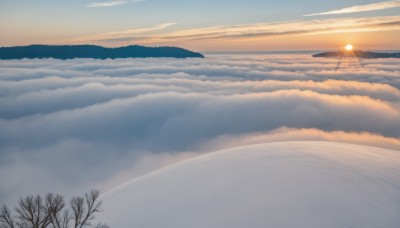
[(288, 184)]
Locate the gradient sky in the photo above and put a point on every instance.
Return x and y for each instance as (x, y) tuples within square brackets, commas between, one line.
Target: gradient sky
[(207, 25)]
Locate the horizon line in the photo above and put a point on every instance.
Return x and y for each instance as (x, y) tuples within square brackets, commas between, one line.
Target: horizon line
[(203, 51)]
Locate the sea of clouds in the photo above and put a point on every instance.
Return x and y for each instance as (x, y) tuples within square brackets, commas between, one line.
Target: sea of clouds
[(69, 126)]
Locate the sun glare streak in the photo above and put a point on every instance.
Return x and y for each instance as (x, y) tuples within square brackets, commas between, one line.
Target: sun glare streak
[(349, 58)]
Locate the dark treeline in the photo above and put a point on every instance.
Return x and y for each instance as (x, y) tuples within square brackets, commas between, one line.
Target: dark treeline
[(93, 51), (359, 54)]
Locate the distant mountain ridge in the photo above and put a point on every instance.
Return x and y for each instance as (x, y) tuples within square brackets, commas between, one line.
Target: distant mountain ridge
[(94, 51), (359, 54)]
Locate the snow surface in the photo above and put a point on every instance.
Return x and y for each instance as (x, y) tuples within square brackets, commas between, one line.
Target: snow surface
[(287, 184)]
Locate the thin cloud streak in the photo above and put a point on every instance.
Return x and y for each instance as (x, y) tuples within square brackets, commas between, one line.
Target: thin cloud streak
[(121, 34), (111, 3), (288, 28), (361, 8), (252, 31)]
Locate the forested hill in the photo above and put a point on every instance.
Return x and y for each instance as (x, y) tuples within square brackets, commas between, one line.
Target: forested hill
[(359, 54), (93, 51)]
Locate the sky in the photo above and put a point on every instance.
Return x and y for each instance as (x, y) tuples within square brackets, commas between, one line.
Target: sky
[(207, 25)]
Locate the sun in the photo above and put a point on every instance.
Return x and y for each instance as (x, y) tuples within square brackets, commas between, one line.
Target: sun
[(348, 47)]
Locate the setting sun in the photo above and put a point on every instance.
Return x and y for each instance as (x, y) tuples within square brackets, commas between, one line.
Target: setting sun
[(349, 47)]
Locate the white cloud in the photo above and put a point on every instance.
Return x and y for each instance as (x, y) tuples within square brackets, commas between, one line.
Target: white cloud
[(111, 3), (101, 122), (107, 4), (362, 8)]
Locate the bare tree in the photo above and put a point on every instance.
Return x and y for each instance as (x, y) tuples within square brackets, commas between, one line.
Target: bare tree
[(31, 212), (34, 212), (84, 208)]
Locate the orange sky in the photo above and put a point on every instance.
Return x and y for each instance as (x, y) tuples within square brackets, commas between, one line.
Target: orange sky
[(374, 26)]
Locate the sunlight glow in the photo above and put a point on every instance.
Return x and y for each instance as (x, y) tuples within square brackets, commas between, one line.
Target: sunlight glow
[(349, 47)]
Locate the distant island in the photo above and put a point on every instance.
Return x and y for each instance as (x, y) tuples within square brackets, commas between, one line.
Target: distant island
[(93, 51), (359, 54)]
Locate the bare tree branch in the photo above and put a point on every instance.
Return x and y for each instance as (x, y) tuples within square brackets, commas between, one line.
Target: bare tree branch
[(25, 211), (32, 212), (55, 205), (6, 219), (85, 208), (66, 219), (78, 209)]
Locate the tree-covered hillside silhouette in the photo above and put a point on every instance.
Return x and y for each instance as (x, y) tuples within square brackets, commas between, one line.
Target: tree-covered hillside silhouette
[(93, 51)]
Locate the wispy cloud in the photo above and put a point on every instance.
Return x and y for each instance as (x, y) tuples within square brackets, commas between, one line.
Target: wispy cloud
[(252, 31), (361, 8), (121, 34), (288, 28), (112, 3)]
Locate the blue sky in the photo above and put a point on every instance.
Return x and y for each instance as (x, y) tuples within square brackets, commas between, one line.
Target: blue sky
[(78, 21)]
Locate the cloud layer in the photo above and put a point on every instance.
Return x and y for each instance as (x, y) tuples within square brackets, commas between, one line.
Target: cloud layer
[(77, 124)]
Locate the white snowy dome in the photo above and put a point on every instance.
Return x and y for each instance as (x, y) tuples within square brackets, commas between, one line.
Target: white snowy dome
[(287, 184)]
